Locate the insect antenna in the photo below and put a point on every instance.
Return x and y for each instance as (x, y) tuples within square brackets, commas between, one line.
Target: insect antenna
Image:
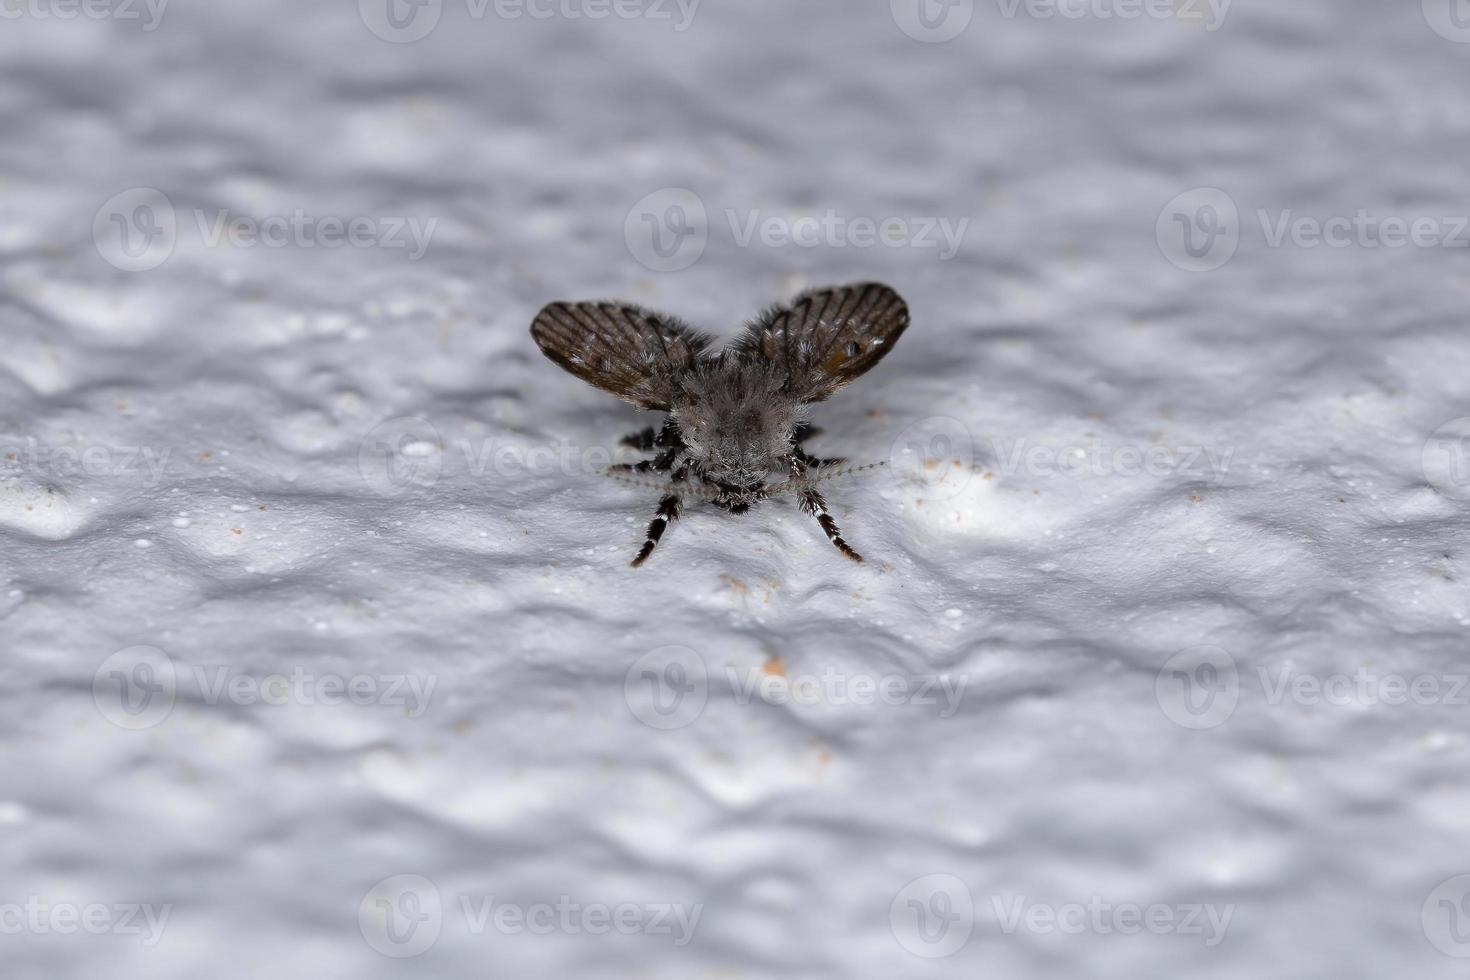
[(813, 477), (685, 489), (833, 472)]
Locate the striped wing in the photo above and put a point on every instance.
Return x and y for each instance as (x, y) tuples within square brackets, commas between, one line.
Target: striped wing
[(828, 337), (626, 350)]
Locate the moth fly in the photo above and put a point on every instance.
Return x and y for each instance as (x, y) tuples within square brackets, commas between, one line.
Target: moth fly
[(736, 417)]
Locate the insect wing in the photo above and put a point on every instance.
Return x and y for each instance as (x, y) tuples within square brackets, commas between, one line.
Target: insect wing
[(828, 337), (631, 352)]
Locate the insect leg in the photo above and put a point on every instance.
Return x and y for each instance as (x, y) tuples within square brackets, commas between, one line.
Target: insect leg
[(669, 435), (805, 431), (668, 510), (802, 433), (815, 462), (641, 440), (650, 438), (661, 463), (813, 503)]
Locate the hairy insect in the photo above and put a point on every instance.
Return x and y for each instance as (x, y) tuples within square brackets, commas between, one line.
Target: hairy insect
[(736, 417)]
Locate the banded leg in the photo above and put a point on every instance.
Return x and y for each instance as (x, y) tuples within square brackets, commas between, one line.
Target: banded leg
[(802, 434), (643, 441), (815, 462), (649, 439), (668, 510), (661, 463), (813, 503)]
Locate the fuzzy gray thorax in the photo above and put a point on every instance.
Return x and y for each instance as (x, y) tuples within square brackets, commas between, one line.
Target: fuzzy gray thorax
[(736, 420)]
